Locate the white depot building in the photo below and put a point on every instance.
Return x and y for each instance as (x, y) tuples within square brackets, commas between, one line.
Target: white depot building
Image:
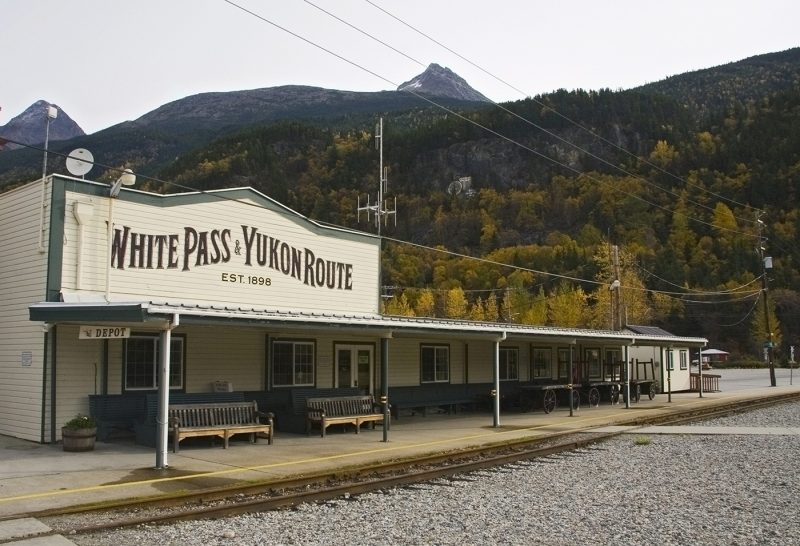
[(232, 295)]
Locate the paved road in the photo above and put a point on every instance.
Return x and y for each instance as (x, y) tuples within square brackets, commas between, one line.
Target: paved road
[(740, 380)]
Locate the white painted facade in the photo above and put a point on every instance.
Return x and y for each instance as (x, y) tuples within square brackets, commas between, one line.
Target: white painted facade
[(23, 275), (195, 259)]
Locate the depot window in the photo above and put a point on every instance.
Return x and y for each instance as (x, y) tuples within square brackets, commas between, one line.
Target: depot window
[(435, 363), (542, 363), (142, 354), (509, 364), (292, 363)]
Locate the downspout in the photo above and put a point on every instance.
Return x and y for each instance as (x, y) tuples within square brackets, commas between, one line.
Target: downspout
[(496, 390), (163, 394), (54, 342), (82, 212), (46, 328)]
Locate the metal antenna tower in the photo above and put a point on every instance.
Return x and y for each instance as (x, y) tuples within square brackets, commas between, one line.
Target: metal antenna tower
[(379, 208)]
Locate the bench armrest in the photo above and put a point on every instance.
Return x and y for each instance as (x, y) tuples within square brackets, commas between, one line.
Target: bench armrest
[(269, 417), (315, 412), (173, 422)]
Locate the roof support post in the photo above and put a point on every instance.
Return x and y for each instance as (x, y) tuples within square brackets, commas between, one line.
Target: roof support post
[(496, 374), (162, 425), (628, 374), (385, 385)]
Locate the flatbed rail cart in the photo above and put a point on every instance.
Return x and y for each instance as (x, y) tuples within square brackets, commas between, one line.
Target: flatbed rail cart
[(643, 379), (548, 396), (603, 386)]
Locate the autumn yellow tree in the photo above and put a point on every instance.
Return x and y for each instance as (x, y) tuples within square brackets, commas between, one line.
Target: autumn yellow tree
[(568, 306)]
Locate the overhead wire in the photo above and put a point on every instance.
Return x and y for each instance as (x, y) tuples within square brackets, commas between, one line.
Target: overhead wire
[(223, 197), (549, 107), (479, 125), (217, 195), (519, 117)]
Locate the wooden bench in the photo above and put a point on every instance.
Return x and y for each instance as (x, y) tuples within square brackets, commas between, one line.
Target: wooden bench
[(342, 410), (221, 420), (419, 399)]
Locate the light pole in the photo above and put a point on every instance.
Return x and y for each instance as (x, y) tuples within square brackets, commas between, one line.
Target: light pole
[(52, 113)]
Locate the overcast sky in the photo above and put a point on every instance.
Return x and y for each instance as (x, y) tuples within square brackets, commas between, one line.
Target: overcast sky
[(107, 61)]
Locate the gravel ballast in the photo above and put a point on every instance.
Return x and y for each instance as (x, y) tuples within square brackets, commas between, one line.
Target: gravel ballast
[(656, 489)]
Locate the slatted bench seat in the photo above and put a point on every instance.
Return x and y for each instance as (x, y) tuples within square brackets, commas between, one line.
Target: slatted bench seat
[(421, 398), (342, 410), (221, 420), (422, 406)]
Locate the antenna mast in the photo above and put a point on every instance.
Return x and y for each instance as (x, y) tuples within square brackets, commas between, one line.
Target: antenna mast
[(379, 208)]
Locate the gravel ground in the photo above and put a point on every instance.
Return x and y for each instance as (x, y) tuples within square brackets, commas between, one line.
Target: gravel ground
[(660, 489)]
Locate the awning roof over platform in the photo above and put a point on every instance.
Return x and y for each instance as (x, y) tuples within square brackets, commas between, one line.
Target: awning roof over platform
[(160, 314)]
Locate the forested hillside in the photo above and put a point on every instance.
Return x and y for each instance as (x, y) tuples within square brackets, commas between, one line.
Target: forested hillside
[(694, 179), (679, 196)]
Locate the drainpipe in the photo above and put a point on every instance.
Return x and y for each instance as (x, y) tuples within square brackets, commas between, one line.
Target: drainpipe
[(83, 212), (496, 389), (46, 327), (162, 425)]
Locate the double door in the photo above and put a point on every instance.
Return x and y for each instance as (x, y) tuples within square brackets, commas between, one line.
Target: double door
[(354, 367)]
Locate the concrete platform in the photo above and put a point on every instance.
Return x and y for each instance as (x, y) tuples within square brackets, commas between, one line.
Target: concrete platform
[(35, 477)]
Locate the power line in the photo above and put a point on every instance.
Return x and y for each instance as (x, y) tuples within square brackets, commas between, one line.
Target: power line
[(290, 212), (479, 125), (511, 112), (549, 107)]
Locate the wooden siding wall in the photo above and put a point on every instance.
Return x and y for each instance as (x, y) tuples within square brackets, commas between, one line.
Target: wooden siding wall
[(79, 373), (23, 270)]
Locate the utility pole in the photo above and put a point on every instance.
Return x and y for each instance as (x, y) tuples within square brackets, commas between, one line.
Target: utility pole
[(766, 263), (616, 296)]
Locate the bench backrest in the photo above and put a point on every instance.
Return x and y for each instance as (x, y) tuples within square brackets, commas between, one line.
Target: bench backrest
[(301, 395), (212, 415), (343, 405), (185, 398)]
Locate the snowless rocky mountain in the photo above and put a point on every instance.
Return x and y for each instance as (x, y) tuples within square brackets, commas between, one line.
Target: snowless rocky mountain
[(30, 126), (439, 81)]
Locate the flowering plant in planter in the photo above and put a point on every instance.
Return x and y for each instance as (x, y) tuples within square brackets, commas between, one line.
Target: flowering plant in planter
[(78, 434), (81, 422)]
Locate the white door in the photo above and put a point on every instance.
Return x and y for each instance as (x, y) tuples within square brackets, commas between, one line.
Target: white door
[(354, 367)]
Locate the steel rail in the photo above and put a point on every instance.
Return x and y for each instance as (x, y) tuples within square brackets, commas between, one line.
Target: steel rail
[(236, 500)]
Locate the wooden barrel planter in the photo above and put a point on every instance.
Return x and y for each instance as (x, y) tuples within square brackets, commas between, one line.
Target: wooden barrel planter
[(78, 439)]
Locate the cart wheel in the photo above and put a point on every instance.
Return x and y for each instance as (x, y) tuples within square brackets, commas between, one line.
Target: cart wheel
[(576, 399), (653, 389), (549, 400), (636, 395), (594, 397), (614, 394)]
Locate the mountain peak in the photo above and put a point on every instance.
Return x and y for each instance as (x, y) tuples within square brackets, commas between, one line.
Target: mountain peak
[(440, 81), (30, 126)]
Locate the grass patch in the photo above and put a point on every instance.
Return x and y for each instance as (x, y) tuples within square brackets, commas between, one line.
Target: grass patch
[(642, 441)]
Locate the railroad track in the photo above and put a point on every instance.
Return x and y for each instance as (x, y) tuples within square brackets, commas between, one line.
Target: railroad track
[(285, 493)]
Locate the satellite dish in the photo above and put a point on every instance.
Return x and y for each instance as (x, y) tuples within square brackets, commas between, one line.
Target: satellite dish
[(80, 162), (454, 188)]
